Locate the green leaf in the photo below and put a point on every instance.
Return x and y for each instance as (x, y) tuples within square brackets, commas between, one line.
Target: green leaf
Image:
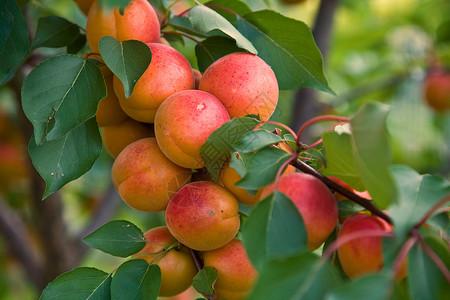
[(369, 287), (216, 150), (204, 20), (14, 47), (67, 158), (236, 6), (288, 46), (54, 32), (213, 48), (77, 45), (183, 24), (6, 24), (426, 281), (340, 160), (109, 4), (256, 140), (417, 194), (204, 281), (120, 238), (128, 60), (274, 229), (372, 151), (136, 280), (263, 168), (301, 277), (348, 208), (60, 94), (80, 283)]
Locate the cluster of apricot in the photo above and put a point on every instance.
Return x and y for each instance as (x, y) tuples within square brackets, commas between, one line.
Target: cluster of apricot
[(155, 136)]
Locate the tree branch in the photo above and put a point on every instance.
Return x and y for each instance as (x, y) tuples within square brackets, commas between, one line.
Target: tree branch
[(16, 235), (340, 189)]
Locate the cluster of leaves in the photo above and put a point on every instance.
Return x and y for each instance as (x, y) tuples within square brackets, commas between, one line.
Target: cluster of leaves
[(60, 98)]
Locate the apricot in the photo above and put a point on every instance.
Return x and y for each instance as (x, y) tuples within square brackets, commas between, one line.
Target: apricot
[(145, 178), (169, 72), (116, 137), (203, 216), (244, 83), (314, 201), (109, 111), (177, 267), (363, 255), (184, 122), (436, 90), (236, 274), (197, 78), (138, 22)]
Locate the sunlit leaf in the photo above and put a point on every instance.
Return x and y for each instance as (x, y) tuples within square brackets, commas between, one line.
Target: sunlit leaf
[(79, 284), (256, 140), (119, 238), (128, 60), (68, 157), (60, 94)]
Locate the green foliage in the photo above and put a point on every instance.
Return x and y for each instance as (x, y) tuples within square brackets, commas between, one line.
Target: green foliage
[(204, 281), (60, 94), (219, 145), (263, 168), (213, 48), (64, 159), (80, 283), (128, 60), (256, 140), (136, 280), (287, 45), (274, 229), (299, 277), (54, 32), (13, 39), (204, 20), (119, 238)]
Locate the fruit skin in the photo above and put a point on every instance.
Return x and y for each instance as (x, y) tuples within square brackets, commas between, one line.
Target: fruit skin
[(177, 267), (236, 274), (203, 216), (436, 90), (139, 22), (362, 255), (244, 83), (184, 122), (109, 111), (169, 72), (116, 137), (314, 201), (145, 178)]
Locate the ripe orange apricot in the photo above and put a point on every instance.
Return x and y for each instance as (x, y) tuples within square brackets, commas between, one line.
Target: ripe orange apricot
[(109, 111), (169, 72), (364, 255), (184, 122), (244, 83), (116, 137), (437, 90), (139, 22), (236, 274), (145, 178), (314, 201), (177, 267), (203, 216)]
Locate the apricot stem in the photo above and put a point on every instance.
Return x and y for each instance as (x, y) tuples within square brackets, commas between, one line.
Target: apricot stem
[(315, 120), (432, 210), (404, 252), (340, 189)]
